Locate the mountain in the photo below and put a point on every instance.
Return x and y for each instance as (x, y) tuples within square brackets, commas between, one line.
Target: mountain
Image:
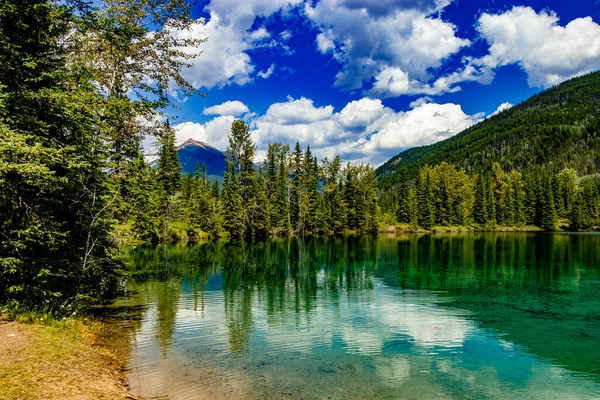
[(556, 128), (193, 152)]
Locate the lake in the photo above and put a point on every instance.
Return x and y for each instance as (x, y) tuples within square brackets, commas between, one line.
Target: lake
[(495, 315)]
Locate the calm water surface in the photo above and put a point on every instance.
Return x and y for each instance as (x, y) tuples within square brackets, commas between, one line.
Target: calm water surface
[(510, 315)]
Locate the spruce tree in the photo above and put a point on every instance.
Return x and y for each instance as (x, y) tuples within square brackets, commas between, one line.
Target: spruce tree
[(55, 243), (426, 201), (335, 215), (233, 219), (295, 189), (169, 170), (261, 224), (403, 211), (547, 208), (481, 200), (241, 154)]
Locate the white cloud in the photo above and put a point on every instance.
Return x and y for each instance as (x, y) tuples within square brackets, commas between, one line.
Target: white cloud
[(397, 43), (501, 107), (325, 42), (268, 72), (364, 130), (548, 52), (215, 132), (260, 34), (225, 59), (420, 101), (286, 35), (233, 108), (297, 111)]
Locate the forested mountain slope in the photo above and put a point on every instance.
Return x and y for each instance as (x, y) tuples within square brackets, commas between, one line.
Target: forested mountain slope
[(554, 129)]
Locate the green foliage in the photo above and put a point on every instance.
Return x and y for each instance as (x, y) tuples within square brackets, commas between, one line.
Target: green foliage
[(554, 129), (526, 161), (70, 163), (54, 243)]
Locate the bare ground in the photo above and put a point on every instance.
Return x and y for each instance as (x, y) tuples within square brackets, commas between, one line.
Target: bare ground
[(56, 361)]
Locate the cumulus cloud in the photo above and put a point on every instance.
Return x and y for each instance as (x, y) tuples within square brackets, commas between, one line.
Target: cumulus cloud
[(233, 108), (363, 131), (501, 107), (225, 59), (214, 132), (398, 43), (420, 101), (548, 52)]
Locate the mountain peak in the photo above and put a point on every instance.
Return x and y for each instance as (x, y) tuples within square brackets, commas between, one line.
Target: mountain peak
[(193, 142)]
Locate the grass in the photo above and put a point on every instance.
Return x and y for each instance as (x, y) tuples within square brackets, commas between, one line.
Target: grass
[(42, 359)]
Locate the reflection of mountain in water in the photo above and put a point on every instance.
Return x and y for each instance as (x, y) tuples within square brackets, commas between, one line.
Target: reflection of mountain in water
[(396, 299)]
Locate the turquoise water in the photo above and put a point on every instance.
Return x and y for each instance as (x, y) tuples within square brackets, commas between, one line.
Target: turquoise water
[(505, 315)]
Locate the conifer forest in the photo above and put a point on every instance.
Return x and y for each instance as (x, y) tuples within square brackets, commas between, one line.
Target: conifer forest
[(81, 85)]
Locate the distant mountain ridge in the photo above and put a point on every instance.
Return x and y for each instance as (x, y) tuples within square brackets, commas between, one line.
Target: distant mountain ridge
[(193, 152), (556, 128)]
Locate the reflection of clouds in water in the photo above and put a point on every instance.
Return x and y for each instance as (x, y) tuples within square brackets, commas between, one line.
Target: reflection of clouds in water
[(393, 370), (364, 328), (429, 326), (364, 340)]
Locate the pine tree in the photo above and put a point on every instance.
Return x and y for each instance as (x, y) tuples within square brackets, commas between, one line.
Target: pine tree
[(260, 209), (481, 200), (55, 243), (241, 154), (169, 170), (577, 215), (426, 201), (295, 189), (414, 209), (403, 211), (519, 211), (143, 208), (233, 220), (335, 215), (547, 209)]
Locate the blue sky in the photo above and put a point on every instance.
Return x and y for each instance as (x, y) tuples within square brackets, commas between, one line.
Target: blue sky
[(367, 79)]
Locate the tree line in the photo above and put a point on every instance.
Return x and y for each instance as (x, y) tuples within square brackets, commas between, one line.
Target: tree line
[(446, 196), (290, 193)]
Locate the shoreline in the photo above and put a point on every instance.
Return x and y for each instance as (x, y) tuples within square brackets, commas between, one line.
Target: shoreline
[(58, 359)]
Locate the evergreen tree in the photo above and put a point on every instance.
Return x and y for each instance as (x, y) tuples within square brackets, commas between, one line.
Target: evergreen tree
[(403, 211), (233, 221), (547, 209), (241, 154), (414, 208), (143, 207), (169, 170), (295, 189), (335, 215), (578, 214), (55, 243), (426, 201), (260, 209), (481, 201)]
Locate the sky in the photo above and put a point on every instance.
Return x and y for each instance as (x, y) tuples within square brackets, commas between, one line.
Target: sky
[(367, 79)]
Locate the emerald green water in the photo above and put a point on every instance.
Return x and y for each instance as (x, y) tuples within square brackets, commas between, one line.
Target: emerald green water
[(504, 315)]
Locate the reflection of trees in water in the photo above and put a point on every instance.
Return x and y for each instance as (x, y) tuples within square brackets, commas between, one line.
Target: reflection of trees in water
[(540, 291), (491, 263), (522, 285), (285, 275)]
